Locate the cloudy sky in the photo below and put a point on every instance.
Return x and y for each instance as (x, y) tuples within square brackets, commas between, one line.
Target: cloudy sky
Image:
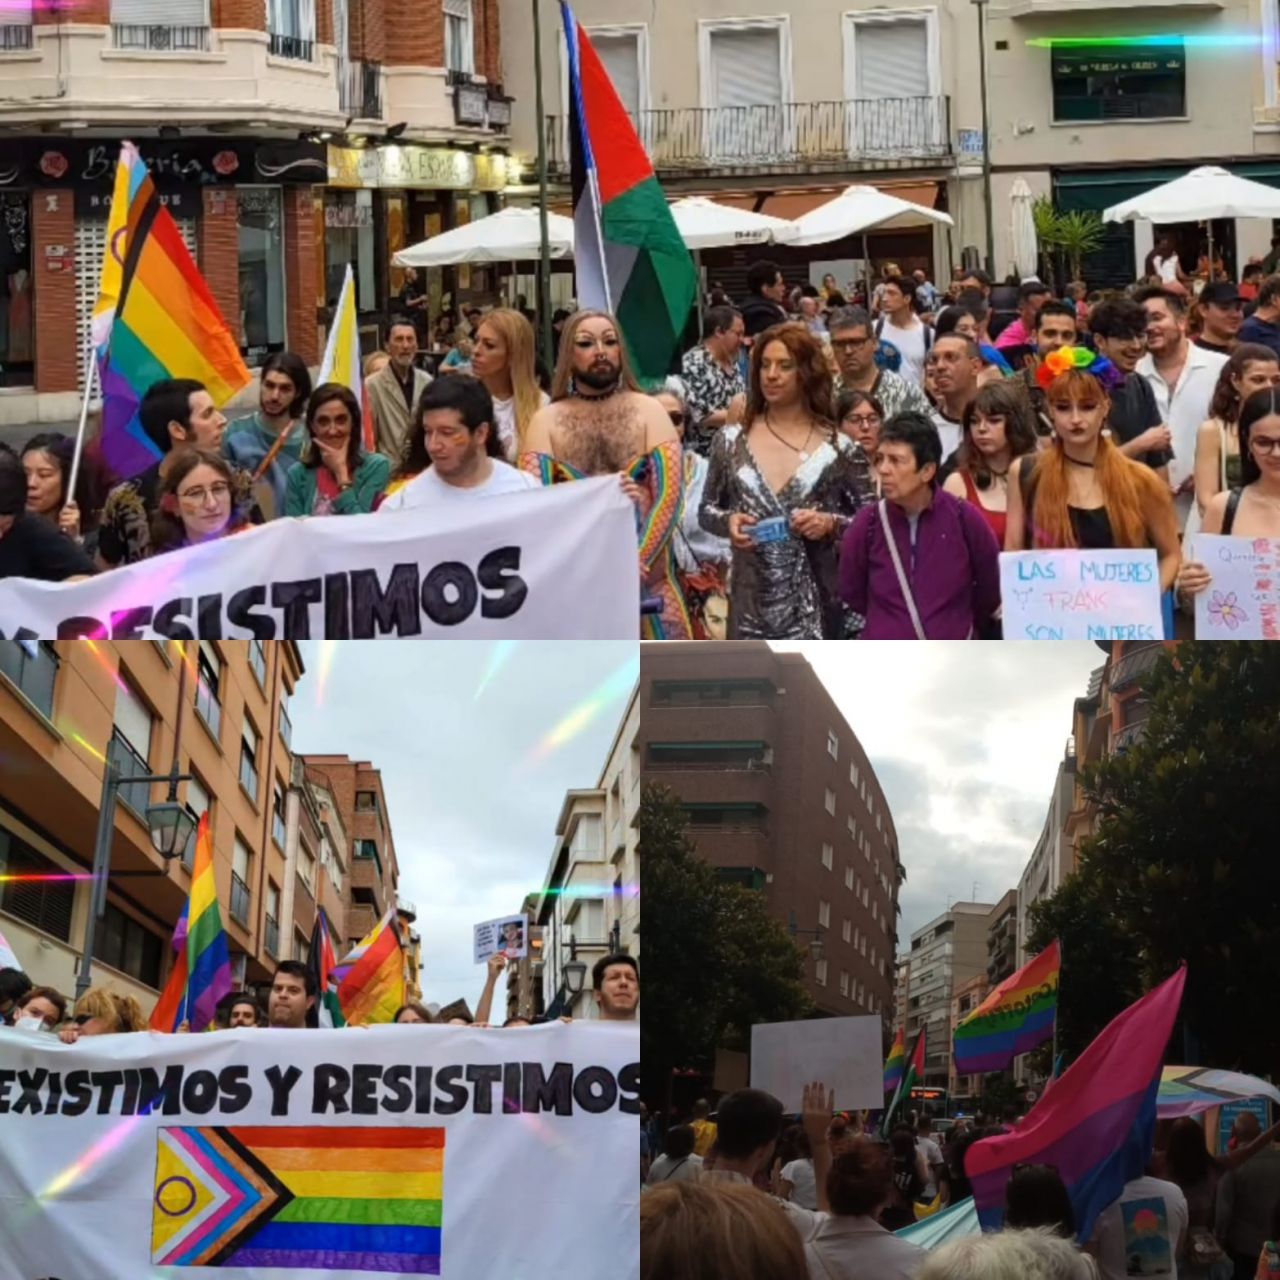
[(477, 744), (965, 740)]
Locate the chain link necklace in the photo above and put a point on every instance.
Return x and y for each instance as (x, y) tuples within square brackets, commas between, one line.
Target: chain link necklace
[(802, 451)]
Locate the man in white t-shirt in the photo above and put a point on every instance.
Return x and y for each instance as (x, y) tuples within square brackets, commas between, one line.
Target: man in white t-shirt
[(1142, 1233), (899, 325), (454, 453), (928, 1147)]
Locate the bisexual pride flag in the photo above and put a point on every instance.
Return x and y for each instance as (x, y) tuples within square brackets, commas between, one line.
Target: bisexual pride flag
[(1016, 1017), (628, 254)]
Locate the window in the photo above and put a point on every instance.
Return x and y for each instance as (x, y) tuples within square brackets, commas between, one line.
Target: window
[(260, 231), (829, 801), (249, 758), (271, 939), (625, 54), (307, 868), (833, 745), (15, 34), (366, 802), (277, 814), (198, 802), (130, 747), (745, 63), (824, 914), (258, 661), (1102, 82), (124, 944), (857, 934), (853, 777), (184, 26), (873, 957), (459, 43), (301, 946), (208, 685), (848, 877), (286, 725), (844, 982), (891, 57), (820, 973), (828, 855), (292, 24), (45, 904), (846, 929), (240, 866), (31, 665)]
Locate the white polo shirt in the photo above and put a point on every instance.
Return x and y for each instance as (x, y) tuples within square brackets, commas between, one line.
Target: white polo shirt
[(1185, 406), (846, 1246)]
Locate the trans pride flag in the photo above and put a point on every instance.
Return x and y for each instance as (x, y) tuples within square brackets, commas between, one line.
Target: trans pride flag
[(1016, 1017), (155, 318), (1096, 1125)]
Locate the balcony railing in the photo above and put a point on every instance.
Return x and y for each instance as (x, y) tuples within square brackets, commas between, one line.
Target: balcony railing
[(129, 764), (14, 36), (360, 90), (271, 938), (708, 766), (882, 132), (239, 900), (281, 46), (161, 39)]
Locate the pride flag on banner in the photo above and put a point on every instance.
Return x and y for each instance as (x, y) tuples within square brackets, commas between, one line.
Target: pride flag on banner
[(628, 254), (370, 979), (896, 1061), (1096, 1125), (341, 361), (155, 318), (1016, 1017)]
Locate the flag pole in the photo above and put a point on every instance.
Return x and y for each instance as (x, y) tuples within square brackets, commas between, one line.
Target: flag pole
[(90, 377), (544, 242)]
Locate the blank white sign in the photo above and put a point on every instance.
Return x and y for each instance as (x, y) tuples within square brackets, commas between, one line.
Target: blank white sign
[(842, 1053)]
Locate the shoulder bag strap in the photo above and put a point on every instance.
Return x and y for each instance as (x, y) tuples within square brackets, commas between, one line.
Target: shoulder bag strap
[(1229, 515), (1222, 453), (900, 571), (667, 1176)]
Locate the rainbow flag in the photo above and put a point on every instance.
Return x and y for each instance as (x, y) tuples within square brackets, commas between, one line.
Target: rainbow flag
[(1096, 1126), (171, 1009), (341, 361), (1016, 1017), (896, 1061), (370, 978), (155, 318), (355, 1198), (629, 256), (910, 1077)]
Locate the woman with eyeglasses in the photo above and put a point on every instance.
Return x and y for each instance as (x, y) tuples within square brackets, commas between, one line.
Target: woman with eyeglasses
[(336, 477), (1252, 508), (860, 416), (197, 502)]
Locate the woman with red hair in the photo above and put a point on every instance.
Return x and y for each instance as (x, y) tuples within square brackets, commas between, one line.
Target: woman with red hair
[(1081, 491), (783, 488)]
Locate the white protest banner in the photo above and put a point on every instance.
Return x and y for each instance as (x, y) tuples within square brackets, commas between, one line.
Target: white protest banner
[(1243, 600), (1081, 595), (510, 935), (845, 1054), (546, 564), (338, 1155)]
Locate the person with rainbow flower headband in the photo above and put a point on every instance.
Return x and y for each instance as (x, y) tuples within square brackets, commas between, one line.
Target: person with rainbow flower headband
[(1081, 491)]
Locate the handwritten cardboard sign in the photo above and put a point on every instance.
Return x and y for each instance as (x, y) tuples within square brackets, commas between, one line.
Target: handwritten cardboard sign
[(1081, 595), (1243, 600)]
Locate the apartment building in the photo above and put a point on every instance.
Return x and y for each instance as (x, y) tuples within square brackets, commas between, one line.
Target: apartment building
[(780, 797), (945, 954), (590, 903), (290, 139), (969, 994), (67, 711), (360, 804), (1002, 938), (776, 106), (1054, 857), (525, 996)]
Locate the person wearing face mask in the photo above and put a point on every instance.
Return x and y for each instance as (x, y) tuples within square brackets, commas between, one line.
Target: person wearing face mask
[(598, 423), (14, 988), (196, 502), (41, 1009), (783, 488), (336, 477)]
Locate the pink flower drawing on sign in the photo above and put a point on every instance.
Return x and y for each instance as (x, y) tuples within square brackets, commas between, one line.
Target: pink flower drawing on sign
[(1225, 611)]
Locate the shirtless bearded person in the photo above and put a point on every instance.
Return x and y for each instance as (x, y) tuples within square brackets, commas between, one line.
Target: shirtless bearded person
[(600, 422)]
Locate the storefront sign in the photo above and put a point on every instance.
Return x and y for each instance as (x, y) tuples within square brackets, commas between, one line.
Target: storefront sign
[(416, 168)]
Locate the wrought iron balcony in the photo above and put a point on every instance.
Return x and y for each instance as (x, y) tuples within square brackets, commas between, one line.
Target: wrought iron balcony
[(360, 90), (282, 46), (808, 136), (161, 39), (14, 36)]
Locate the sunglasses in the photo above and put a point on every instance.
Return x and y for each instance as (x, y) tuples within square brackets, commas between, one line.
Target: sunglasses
[(81, 1018)]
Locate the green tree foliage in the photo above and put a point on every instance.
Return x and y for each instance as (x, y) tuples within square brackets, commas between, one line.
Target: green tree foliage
[(715, 961), (1185, 862)]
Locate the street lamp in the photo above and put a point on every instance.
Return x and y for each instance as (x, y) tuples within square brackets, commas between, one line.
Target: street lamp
[(575, 970), (986, 134), (814, 935)]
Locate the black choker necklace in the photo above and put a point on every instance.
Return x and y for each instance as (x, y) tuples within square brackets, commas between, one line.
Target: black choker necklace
[(575, 391), (1075, 462)]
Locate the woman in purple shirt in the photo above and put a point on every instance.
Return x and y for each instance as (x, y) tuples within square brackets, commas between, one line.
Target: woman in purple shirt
[(920, 564)]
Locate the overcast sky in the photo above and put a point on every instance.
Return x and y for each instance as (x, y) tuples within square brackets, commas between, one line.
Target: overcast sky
[(477, 744), (965, 740)]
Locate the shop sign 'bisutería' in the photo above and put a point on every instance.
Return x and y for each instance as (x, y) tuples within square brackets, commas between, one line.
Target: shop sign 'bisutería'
[(410, 167)]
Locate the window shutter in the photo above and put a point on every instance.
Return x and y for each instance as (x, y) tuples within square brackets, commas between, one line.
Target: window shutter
[(160, 13), (621, 57), (133, 720), (746, 67), (240, 860), (892, 59)]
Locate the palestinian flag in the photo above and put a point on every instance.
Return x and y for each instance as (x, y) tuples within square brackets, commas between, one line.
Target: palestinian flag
[(629, 257), (322, 963), (912, 1076)]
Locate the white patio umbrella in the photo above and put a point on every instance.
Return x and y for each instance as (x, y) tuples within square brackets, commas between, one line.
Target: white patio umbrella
[(511, 235), (704, 224), (1200, 196), (858, 210), (1023, 242)]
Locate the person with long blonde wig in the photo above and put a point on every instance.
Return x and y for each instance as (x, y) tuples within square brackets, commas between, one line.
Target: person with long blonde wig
[(598, 423), (1081, 491), (783, 488), (502, 357)]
